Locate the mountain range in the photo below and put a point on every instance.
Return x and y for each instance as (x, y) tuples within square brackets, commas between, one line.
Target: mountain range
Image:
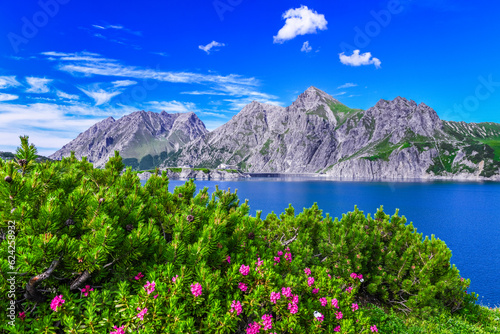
[(396, 139)]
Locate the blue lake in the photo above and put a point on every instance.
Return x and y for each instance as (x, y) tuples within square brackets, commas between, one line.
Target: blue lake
[(465, 215)]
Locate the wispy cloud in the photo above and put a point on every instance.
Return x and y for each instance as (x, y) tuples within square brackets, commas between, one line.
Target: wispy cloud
[(172, 106), (8, 97), (357, 59), (300, 21), (306, 47), (347, 85), (66, 96), (97, 65), (38, 85), (50, 125), (100, 96), (212, 45), (207, 92), (116, 27), (8, 81), (124, 83)]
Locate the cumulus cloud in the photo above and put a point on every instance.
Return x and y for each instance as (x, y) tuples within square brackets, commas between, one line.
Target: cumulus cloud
[(306, 47), (8, 81), (124, 83), (38, 85), (357, 59), (100, 96), (8, 97), (300, 21), (207, 48)]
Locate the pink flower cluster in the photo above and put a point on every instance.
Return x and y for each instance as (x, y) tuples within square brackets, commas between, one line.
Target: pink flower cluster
[(142, 313), (119, 330), (287, 292), (244, 270), (196, 289), (293, 308), (349, 289), (336, 329), (236, 305), (276, 260), (323, 301), (275, 296), (354, 275), (307, 271), (149, 287), (315, 291), (243, 287), (57, 301), (310, 281), (267, 321), (288, 256), (339, 315), (258, 263), (253, 328), (355, 307), (22, 315), (139, 276), (280, 253), (335, 303), (228, 259), (86, 290), (374, 328), (174, 278), (320, 318)]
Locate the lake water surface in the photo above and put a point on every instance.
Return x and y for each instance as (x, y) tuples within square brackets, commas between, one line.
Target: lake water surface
[(465, 215)]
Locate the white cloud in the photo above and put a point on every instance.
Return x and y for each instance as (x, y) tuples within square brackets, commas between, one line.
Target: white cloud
[(8, 81), (172, 106), (207, 92), (300, 21), (100, 96), (124, 83), (347, 85), (339, 94), (96, 65), (357, 60), (306, 47), (211, 45), (8, 97), (229, 85), (116, 27), (67, 96), (38, 85)]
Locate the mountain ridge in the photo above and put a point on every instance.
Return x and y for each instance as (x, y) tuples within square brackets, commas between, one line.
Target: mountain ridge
[(318, 134)]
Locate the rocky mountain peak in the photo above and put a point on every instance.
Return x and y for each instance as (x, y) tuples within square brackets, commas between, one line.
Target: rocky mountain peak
[(312, 98)]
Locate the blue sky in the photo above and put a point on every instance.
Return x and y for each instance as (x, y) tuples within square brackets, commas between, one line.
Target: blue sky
[(67, 64)]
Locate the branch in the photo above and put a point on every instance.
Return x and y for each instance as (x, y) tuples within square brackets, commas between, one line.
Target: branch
[(31, 292), (284, 244), (80, 280)]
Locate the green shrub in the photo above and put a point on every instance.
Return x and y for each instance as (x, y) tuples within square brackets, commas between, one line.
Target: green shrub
[(78, 228)]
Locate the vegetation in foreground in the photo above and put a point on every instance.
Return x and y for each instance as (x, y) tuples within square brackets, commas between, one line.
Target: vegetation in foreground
[(135, 259)]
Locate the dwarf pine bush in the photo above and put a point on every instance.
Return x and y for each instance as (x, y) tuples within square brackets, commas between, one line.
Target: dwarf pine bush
[(96, 252)]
